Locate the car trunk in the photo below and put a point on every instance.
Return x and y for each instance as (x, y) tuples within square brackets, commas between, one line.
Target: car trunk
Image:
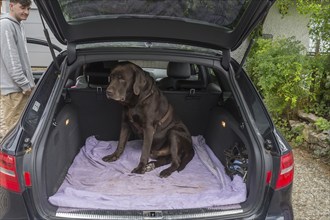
[(85, 113)]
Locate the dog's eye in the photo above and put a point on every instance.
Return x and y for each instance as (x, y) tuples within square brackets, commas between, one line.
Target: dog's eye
[(113, 76), (117, 77)]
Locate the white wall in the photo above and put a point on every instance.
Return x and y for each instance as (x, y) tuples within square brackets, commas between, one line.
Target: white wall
[(292, 24)]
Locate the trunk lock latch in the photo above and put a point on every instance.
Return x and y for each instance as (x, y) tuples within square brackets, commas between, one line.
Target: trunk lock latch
[(152, 215)]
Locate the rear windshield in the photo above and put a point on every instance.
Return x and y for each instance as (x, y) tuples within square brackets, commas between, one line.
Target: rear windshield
[(225, 13)]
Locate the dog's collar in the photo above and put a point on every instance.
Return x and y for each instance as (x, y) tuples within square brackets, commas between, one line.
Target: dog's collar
[(165, 117), (147, 96)]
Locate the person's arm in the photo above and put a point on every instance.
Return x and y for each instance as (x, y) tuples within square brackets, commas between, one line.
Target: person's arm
[(10, 55)]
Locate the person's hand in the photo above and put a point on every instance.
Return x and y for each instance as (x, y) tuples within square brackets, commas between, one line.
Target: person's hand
[(27, 92)]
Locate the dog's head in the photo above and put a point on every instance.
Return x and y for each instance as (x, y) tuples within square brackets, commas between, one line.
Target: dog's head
[(127, 80)]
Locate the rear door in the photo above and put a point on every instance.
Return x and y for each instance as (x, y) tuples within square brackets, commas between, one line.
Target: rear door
[(217, 24)]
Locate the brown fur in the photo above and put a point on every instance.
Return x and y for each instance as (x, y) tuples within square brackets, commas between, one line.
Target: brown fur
[(148, 113)]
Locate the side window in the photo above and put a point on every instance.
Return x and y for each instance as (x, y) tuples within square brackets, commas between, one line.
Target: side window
[(43, 89), (255, 104), (45, 86), (212, 78), (195, 72), (38, 102)]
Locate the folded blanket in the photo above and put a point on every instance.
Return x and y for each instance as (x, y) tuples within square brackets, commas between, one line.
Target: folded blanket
[(94, 184)]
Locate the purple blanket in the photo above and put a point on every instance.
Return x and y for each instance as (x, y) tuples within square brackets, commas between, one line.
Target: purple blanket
[(93, 184)]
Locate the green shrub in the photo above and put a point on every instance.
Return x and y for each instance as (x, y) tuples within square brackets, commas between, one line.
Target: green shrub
[(322, 124), (320, 89), (281, 73), (294, 134)]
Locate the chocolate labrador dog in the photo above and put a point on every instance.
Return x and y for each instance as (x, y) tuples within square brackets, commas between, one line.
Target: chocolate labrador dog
[(148, 114)]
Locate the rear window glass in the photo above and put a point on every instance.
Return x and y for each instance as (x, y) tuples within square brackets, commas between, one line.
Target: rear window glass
[(224, 13)]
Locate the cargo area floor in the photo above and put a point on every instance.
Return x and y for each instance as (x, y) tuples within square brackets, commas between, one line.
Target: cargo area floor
[(94, 184)]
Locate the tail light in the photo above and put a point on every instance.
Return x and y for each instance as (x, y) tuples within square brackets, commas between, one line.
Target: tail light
[(8, 174), (286, 172)]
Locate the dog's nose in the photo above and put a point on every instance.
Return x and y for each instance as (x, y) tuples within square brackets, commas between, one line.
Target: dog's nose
[(109, 93)]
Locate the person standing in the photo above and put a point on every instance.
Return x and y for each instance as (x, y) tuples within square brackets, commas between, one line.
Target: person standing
[(16, 79)]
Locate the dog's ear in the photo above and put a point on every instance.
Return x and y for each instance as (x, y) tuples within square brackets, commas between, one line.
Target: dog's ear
[(140, 80)]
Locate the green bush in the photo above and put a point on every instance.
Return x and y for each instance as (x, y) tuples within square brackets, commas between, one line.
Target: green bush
[(281, 73), (320, 88), (294, 134), (322, 124)]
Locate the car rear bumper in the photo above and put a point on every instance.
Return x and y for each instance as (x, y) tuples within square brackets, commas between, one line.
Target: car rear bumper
[(281, 204), (12, 205)]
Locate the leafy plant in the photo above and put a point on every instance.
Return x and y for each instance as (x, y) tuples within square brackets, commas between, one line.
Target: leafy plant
[(321, 109), (294, 134), (283, 6), (281, 72), (322, 124)]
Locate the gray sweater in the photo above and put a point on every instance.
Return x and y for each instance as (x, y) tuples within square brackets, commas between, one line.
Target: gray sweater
[(15, 70)]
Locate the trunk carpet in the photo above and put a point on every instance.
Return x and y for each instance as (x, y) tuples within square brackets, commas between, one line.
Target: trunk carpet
[(93, 184)]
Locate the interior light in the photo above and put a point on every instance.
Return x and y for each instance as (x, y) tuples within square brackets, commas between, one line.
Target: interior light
[(223, 124), (67, 121)]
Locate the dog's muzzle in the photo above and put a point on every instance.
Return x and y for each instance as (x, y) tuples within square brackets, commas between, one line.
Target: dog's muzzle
[(111, 95)]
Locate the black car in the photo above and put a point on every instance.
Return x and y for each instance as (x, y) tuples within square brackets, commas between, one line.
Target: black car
[(51, 163)]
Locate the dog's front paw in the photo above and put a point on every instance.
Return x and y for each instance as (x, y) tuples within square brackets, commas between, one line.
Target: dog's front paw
[(110, 158), (149, 167), (165, 173), (140, 169)]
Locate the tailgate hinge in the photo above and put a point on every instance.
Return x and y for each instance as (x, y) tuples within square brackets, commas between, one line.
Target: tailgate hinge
[(268, 145), (225, 62), (27, 145)]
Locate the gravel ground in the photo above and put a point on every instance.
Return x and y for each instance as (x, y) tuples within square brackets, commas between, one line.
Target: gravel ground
[(311, 187)]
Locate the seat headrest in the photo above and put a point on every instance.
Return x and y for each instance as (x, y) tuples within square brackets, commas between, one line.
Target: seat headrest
[(178, 70), (101, 66), (97, 74), (98, 79)]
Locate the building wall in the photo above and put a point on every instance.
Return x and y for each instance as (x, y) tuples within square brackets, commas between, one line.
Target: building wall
[(292, 24)]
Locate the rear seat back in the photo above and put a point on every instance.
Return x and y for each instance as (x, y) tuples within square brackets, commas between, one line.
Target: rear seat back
[(101, 116), (191, 96), (97, 115), (182, 76), (193, 108)]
